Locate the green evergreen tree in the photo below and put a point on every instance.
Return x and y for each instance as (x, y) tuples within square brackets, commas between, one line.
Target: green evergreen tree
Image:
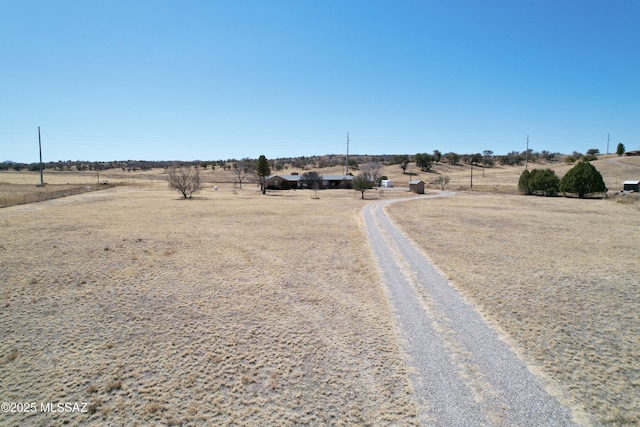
[(544, 181), (620, 149), (582, 179), (523, 183), (263, 170), (539, 182)]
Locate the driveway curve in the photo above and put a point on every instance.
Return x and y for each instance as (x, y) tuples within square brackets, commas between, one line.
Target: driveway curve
[(462, 372)]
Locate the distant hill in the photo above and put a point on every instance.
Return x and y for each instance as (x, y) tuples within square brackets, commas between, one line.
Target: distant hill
[(8, 162)]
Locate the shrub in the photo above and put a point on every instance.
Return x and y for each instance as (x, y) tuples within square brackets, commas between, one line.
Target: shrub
[(582, 179), (523, 182), (542, 182)]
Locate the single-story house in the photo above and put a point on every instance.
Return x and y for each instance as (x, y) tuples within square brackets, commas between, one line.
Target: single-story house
[(295, 181), (284, 182), (416, 186), (631, 186), (632, 153)]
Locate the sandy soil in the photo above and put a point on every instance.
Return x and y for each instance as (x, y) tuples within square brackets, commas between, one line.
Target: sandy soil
[(558, 276), (226, 309)]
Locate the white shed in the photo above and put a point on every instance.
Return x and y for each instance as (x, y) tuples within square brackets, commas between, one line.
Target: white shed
[(386, 183), (631, 186)]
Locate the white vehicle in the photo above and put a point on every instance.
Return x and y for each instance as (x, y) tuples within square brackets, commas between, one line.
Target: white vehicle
[(386, 183)]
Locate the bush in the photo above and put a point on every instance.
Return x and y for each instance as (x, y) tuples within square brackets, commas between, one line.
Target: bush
[(540, 182), (582, 179), (523, 182), (544, 181)]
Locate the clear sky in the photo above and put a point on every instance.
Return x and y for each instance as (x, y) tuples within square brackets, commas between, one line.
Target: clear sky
[(186, 80)]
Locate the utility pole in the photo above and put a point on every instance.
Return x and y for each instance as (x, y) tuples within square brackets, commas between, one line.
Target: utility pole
[(40, 147), (347, 173), (608, 137), (526, 155), (471, 162)]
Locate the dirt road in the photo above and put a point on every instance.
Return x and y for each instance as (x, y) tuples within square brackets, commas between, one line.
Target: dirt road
[(463, 373)]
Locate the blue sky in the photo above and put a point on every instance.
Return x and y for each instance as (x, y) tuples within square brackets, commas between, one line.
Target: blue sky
[(186, 80)]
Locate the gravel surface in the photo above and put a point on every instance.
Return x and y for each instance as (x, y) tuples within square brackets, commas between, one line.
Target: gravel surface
[(463, 373)]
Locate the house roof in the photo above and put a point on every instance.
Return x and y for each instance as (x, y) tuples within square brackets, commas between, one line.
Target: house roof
[(287, 177), (632, 182), (415, 181), (336, 177)]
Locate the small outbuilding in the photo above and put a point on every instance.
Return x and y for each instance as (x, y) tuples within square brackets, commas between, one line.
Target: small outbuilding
[(631, 186), (416, 186), (386, 183)]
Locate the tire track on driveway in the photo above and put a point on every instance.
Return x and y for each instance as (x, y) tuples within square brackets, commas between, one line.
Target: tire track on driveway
[(463, 374)]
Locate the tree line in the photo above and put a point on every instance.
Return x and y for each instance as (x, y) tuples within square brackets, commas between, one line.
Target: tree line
[(423, 160)]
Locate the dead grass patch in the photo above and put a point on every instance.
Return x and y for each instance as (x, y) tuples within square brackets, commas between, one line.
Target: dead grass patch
[(630, 199), (18, 194), (237, 309), (559, 276)]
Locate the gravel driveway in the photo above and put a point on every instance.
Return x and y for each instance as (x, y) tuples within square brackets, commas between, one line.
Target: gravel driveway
[(463, 374)]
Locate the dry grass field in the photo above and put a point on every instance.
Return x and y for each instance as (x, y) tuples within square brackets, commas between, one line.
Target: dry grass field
[(504, 179), (250, 309), (19, 194), (559, 277), (227, 309)]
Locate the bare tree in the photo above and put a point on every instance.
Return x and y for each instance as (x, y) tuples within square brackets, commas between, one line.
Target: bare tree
[(312, 180), (372, 170), (240, 171), (185, 180), (442, 181)]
